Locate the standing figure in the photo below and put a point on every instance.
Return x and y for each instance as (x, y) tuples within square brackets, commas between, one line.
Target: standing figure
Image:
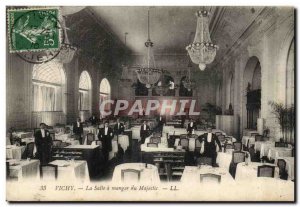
[(144, 132), (161, 122), (191, 126), (43, 143), (105, 136), (78, 130), (119, 127), (209, 146), (94, 120)]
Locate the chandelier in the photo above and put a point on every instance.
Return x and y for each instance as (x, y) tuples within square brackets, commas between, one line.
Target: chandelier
[(202, 51), (188, 83), (148, 74), (125, 76)]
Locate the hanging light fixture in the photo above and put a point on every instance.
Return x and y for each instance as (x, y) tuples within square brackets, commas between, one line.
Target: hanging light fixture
[(188, 83), (125, 77), (202, 51), (148, 74)]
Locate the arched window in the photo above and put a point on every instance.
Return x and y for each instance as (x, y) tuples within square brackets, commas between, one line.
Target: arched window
[(290, 72), (104, 93), (85, 86), (48, 80)]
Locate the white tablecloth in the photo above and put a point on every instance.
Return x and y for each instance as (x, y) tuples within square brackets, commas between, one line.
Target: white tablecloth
[(23, 134), (249, 172), (24, 169), (72, 170), (275, 152), (224, 159), (245, 140), (148, 175), (191, 174), (14, 152), (136, 132), (123, 140), (263, 146), (290, 166)]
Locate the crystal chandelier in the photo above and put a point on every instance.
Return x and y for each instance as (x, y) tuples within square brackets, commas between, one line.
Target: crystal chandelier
[(125, 77), (188, 83), (148, 74), (202, 51)]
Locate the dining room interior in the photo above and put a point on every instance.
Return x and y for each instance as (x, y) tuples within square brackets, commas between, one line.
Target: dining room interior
[(157, 94)]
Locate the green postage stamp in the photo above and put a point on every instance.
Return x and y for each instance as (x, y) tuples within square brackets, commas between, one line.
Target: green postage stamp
[(33, 29)]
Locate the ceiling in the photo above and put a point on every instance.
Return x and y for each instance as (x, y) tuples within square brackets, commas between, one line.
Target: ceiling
[(173, 28)]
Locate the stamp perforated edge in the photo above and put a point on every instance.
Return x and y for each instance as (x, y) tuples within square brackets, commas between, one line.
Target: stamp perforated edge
[(60, 35)]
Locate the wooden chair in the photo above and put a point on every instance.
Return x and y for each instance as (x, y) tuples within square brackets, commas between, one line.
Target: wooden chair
[(183, 136), (49, 171), (184, 143), (67, 130), (258, 138), (265, 171), (52, 135), (204, 161), (90, 137), (281, 144), (253, 134), (228, 146), (130, 175), (29, 150), (210, 177), (221, 138), (56, 143), (282, 169), (238, 157), (152, 145), (237, 146), (155, 140)]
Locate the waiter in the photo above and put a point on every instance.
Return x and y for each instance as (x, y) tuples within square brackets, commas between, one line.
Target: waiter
[(119, 128), (144, 132), (161, 122), (191, 126), (43, 143), (209, 141), (105, 136), (78, 130)]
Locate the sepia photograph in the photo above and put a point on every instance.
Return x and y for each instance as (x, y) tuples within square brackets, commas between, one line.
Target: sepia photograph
[(150, 103)]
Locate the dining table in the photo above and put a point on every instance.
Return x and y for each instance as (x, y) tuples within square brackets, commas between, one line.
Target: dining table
[(23, 169), (14, 151)]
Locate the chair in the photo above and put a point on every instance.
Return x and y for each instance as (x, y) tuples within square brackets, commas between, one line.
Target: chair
[(210, 177), (155, 140), (265, 171), (67, 130), (218, 133), (52, 135), (183, 136), (184, 143), (253, 134), (237, 146), (221, 138), (204, 161), (49, 171), (90, 137), (228, 146), (258, 138), (130, 175), (281, 144), (29, 150), (197, 145), (56, 143), (282, 169), (238, 156), (152, 145), (7, 170), (98, 142)]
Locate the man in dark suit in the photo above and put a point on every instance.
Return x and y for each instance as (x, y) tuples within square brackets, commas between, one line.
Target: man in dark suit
[(191, 126), (43, 143), (144, 132), (209, 141), (105, 136), (78, 130), (94, 120), (119, 128), (161, 122)]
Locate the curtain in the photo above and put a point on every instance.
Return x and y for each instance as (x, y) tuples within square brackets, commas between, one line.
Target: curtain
[(83, 102), (44, 98)]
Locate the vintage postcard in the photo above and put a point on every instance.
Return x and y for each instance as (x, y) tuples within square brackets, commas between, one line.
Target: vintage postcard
[(150, 103)]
